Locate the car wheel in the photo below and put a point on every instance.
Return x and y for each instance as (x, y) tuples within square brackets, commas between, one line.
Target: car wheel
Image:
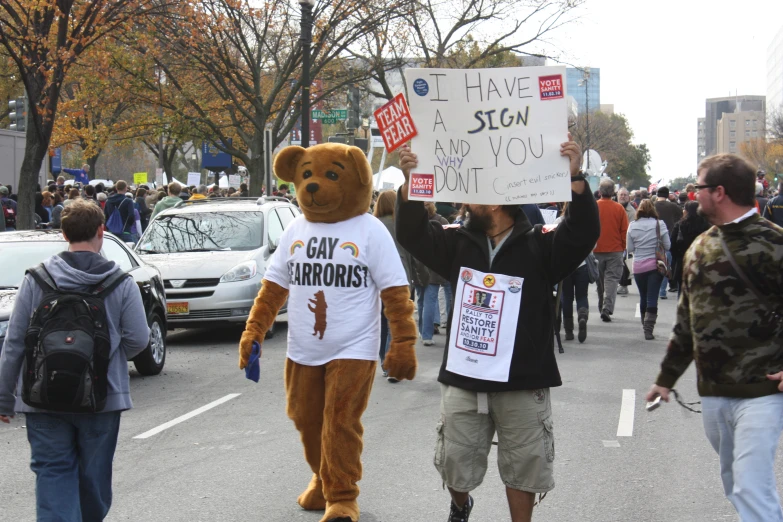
[(271, 332), (152, 359)]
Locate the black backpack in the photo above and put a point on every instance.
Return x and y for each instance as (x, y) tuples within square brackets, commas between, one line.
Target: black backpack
[(67, 347)]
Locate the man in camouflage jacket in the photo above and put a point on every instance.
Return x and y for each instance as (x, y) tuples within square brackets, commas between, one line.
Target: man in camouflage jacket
[(733, 338)]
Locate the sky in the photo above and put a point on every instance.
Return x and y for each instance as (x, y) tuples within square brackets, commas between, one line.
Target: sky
[(661, 60)]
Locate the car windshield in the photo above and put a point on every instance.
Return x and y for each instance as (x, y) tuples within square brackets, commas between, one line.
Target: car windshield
[(203, 232), (16, 257)]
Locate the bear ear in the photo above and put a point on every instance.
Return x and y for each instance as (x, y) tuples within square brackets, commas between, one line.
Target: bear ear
[(285, 162), (362, 165)]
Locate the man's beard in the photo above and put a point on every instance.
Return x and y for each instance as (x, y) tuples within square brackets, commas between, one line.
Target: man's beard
[(705, 215), (478, 222)]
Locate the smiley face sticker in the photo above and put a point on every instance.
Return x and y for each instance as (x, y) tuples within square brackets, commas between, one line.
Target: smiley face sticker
[(489, 280)]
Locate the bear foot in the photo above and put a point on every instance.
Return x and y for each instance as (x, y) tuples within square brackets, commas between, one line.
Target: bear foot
[(312, 498), (343, 511)]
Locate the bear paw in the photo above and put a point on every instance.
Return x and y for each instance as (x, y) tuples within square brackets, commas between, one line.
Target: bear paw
[(343, 511), (312, 498)]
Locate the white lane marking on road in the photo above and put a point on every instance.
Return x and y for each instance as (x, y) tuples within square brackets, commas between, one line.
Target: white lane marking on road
[(183, 418), (638, 310), (611, 443), (625, 426)]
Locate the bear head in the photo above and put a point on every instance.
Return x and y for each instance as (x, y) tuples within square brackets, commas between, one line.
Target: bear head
[(333, 181)]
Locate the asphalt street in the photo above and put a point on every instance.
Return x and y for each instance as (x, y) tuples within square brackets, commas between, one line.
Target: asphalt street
[(241, 460)]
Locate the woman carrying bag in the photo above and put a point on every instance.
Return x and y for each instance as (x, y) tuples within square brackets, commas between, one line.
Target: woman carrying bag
[(648, 240)]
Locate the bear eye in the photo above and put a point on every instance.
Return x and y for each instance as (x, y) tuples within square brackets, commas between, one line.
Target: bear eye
[(307, 174), (331, 175)]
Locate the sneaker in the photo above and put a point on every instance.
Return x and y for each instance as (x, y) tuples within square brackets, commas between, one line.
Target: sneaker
[(385, 373), (392, 380), (461, 515), (623, 290), (428, 342), (672, 290), (605, 318), (663, 296), (436, 331)]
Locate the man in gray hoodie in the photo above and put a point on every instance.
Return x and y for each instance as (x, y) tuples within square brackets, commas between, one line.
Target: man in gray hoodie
[(72, 453)]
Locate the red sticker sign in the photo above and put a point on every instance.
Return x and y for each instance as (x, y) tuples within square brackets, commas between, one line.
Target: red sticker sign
[(551, 87), (395, 123), (422, 185)]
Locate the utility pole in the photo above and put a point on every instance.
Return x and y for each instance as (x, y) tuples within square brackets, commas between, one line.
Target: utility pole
[(306, 38)]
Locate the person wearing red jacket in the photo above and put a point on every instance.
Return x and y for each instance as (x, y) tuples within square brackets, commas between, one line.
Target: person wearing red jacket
[(609, 249)]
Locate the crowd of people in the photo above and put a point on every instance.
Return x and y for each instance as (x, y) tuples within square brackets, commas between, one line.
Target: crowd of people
[(145, 202)]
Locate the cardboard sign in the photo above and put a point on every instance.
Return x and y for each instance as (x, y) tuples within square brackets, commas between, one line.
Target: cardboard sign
[(139, 178), (194, 179), (234, 180), (160, 178), (489, 136), (395, 123)]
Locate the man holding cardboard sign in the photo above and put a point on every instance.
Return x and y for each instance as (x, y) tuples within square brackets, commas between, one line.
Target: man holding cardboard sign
[(499, 363)]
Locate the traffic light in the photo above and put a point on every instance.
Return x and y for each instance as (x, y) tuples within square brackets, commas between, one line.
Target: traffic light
[(17, 114), (354, 120)]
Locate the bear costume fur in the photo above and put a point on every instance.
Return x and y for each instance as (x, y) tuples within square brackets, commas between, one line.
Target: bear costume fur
[(326, 401)]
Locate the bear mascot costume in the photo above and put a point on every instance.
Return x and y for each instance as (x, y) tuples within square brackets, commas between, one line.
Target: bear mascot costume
[(335, 264)]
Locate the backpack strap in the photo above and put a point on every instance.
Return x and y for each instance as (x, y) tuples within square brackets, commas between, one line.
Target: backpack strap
[(42, 277), (108, 285)]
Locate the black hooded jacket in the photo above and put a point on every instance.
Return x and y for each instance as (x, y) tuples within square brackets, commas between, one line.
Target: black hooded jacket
[(541, 259)]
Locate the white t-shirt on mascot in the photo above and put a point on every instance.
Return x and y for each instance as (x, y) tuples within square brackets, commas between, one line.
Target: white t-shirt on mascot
[(334, 273)]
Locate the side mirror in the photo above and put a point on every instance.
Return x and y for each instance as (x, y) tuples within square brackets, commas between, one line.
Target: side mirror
[(273, 244)]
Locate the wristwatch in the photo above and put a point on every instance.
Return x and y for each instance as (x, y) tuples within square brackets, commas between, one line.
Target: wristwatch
[(580, 176)]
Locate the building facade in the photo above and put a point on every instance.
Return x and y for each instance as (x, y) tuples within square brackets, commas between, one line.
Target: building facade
[(701, 143), (775, 72), (736, 128), (717, 107), (587, 95)]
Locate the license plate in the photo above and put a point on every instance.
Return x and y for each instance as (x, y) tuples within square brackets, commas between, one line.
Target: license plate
[(178, 308)]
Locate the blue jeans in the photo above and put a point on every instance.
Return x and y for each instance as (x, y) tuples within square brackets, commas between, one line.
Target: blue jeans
[(427, 299), (665, 281), (745, 434), (449, 300), (71, 456), (575, 285), (648, 283)]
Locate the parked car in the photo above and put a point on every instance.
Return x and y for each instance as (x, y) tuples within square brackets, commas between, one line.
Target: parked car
[(24, 249), (213, 254)]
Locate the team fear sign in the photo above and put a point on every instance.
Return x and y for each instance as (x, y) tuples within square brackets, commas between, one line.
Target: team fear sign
[(489, 136), (395, 123)]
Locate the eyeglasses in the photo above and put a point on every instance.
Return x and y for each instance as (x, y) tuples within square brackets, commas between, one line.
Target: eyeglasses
[(700, 187)]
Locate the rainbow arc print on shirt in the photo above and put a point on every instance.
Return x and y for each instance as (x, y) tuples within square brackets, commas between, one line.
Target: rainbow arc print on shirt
[(295, 245), (351, 248)]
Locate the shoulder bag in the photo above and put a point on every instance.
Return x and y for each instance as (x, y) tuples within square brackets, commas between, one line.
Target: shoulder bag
[(660, 253), (775, 314)]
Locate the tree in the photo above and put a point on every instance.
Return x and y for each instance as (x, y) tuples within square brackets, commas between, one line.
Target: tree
[(44, 39), (611, 136), (468, 34), (231, 69)]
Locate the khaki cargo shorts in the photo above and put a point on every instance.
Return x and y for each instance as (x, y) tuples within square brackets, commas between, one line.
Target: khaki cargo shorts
[(526, 443)]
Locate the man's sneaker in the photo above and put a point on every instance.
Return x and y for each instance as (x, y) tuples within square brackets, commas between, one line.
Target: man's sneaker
[(428, 342), (461, 515), (392, 380), (605, 317), (663, 296), (623, 290), (672, 290)]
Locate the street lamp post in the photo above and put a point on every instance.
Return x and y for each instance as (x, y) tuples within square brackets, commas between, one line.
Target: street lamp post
[(585, 81), (306, 38)]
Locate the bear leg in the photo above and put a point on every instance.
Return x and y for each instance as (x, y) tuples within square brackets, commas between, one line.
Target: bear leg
[(348, 386), (305, 393)]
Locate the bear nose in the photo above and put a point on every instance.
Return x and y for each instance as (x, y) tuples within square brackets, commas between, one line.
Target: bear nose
[(312, 188)]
